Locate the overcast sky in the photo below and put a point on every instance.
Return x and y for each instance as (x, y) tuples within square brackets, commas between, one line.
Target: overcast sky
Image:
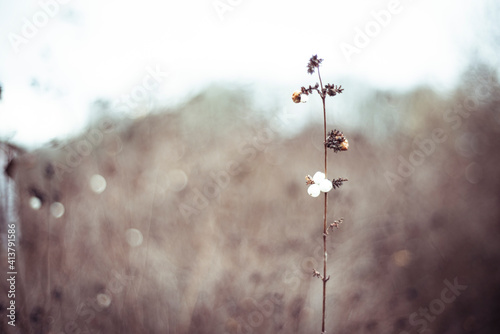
[(57, 57)]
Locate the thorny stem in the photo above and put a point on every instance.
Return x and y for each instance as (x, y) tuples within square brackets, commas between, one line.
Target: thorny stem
[(325, 279)]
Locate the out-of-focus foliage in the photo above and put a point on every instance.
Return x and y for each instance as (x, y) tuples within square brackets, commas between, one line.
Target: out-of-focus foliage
[(205, 225)]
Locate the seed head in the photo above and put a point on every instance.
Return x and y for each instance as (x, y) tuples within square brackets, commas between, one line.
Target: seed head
[(336, 141), (337, 183), (333, 90), (313, 63)]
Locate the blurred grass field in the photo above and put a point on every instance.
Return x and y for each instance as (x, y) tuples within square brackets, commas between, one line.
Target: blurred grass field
[(204, 224)]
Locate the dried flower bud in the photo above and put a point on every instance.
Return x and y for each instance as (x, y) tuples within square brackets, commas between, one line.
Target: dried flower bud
[(299, 96), (336, 141), (333, 90), (309, 179), (314, 62), (337, 183), (345, 145), (336, 223)]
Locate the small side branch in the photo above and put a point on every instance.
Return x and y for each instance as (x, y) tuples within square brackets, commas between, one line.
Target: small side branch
[(318, 275)]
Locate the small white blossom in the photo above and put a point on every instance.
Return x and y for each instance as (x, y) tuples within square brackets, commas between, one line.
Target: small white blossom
[(326, 185), (318, 177), (314, 190), (320, 184)]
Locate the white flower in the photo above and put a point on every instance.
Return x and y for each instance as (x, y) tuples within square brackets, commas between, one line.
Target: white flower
[(326, 185), (321, 184), (318, 177), (314, 190)]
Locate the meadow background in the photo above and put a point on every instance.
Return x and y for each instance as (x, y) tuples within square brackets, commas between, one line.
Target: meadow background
[(187, 210)]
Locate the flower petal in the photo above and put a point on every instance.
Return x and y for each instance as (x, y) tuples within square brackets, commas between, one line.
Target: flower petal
[(313, 190), (318, 177), (325, 185)]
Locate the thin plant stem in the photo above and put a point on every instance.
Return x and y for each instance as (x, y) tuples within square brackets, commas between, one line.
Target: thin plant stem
[(324, 264), (325, 255), (334, 140)]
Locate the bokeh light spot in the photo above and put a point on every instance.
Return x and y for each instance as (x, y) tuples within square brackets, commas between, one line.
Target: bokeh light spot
[(134, 237), (103, 299), (57, 209), (402, 258), (35, 203), (464, 145), (177, 179), (473, 173), (97, 183), (114, 145)]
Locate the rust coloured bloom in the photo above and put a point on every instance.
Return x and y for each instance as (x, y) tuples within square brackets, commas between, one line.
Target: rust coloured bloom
[(336, 141), (344, 146), (299, 96)]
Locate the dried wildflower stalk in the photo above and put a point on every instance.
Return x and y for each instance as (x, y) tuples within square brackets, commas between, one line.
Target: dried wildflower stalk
[(334, 140)]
